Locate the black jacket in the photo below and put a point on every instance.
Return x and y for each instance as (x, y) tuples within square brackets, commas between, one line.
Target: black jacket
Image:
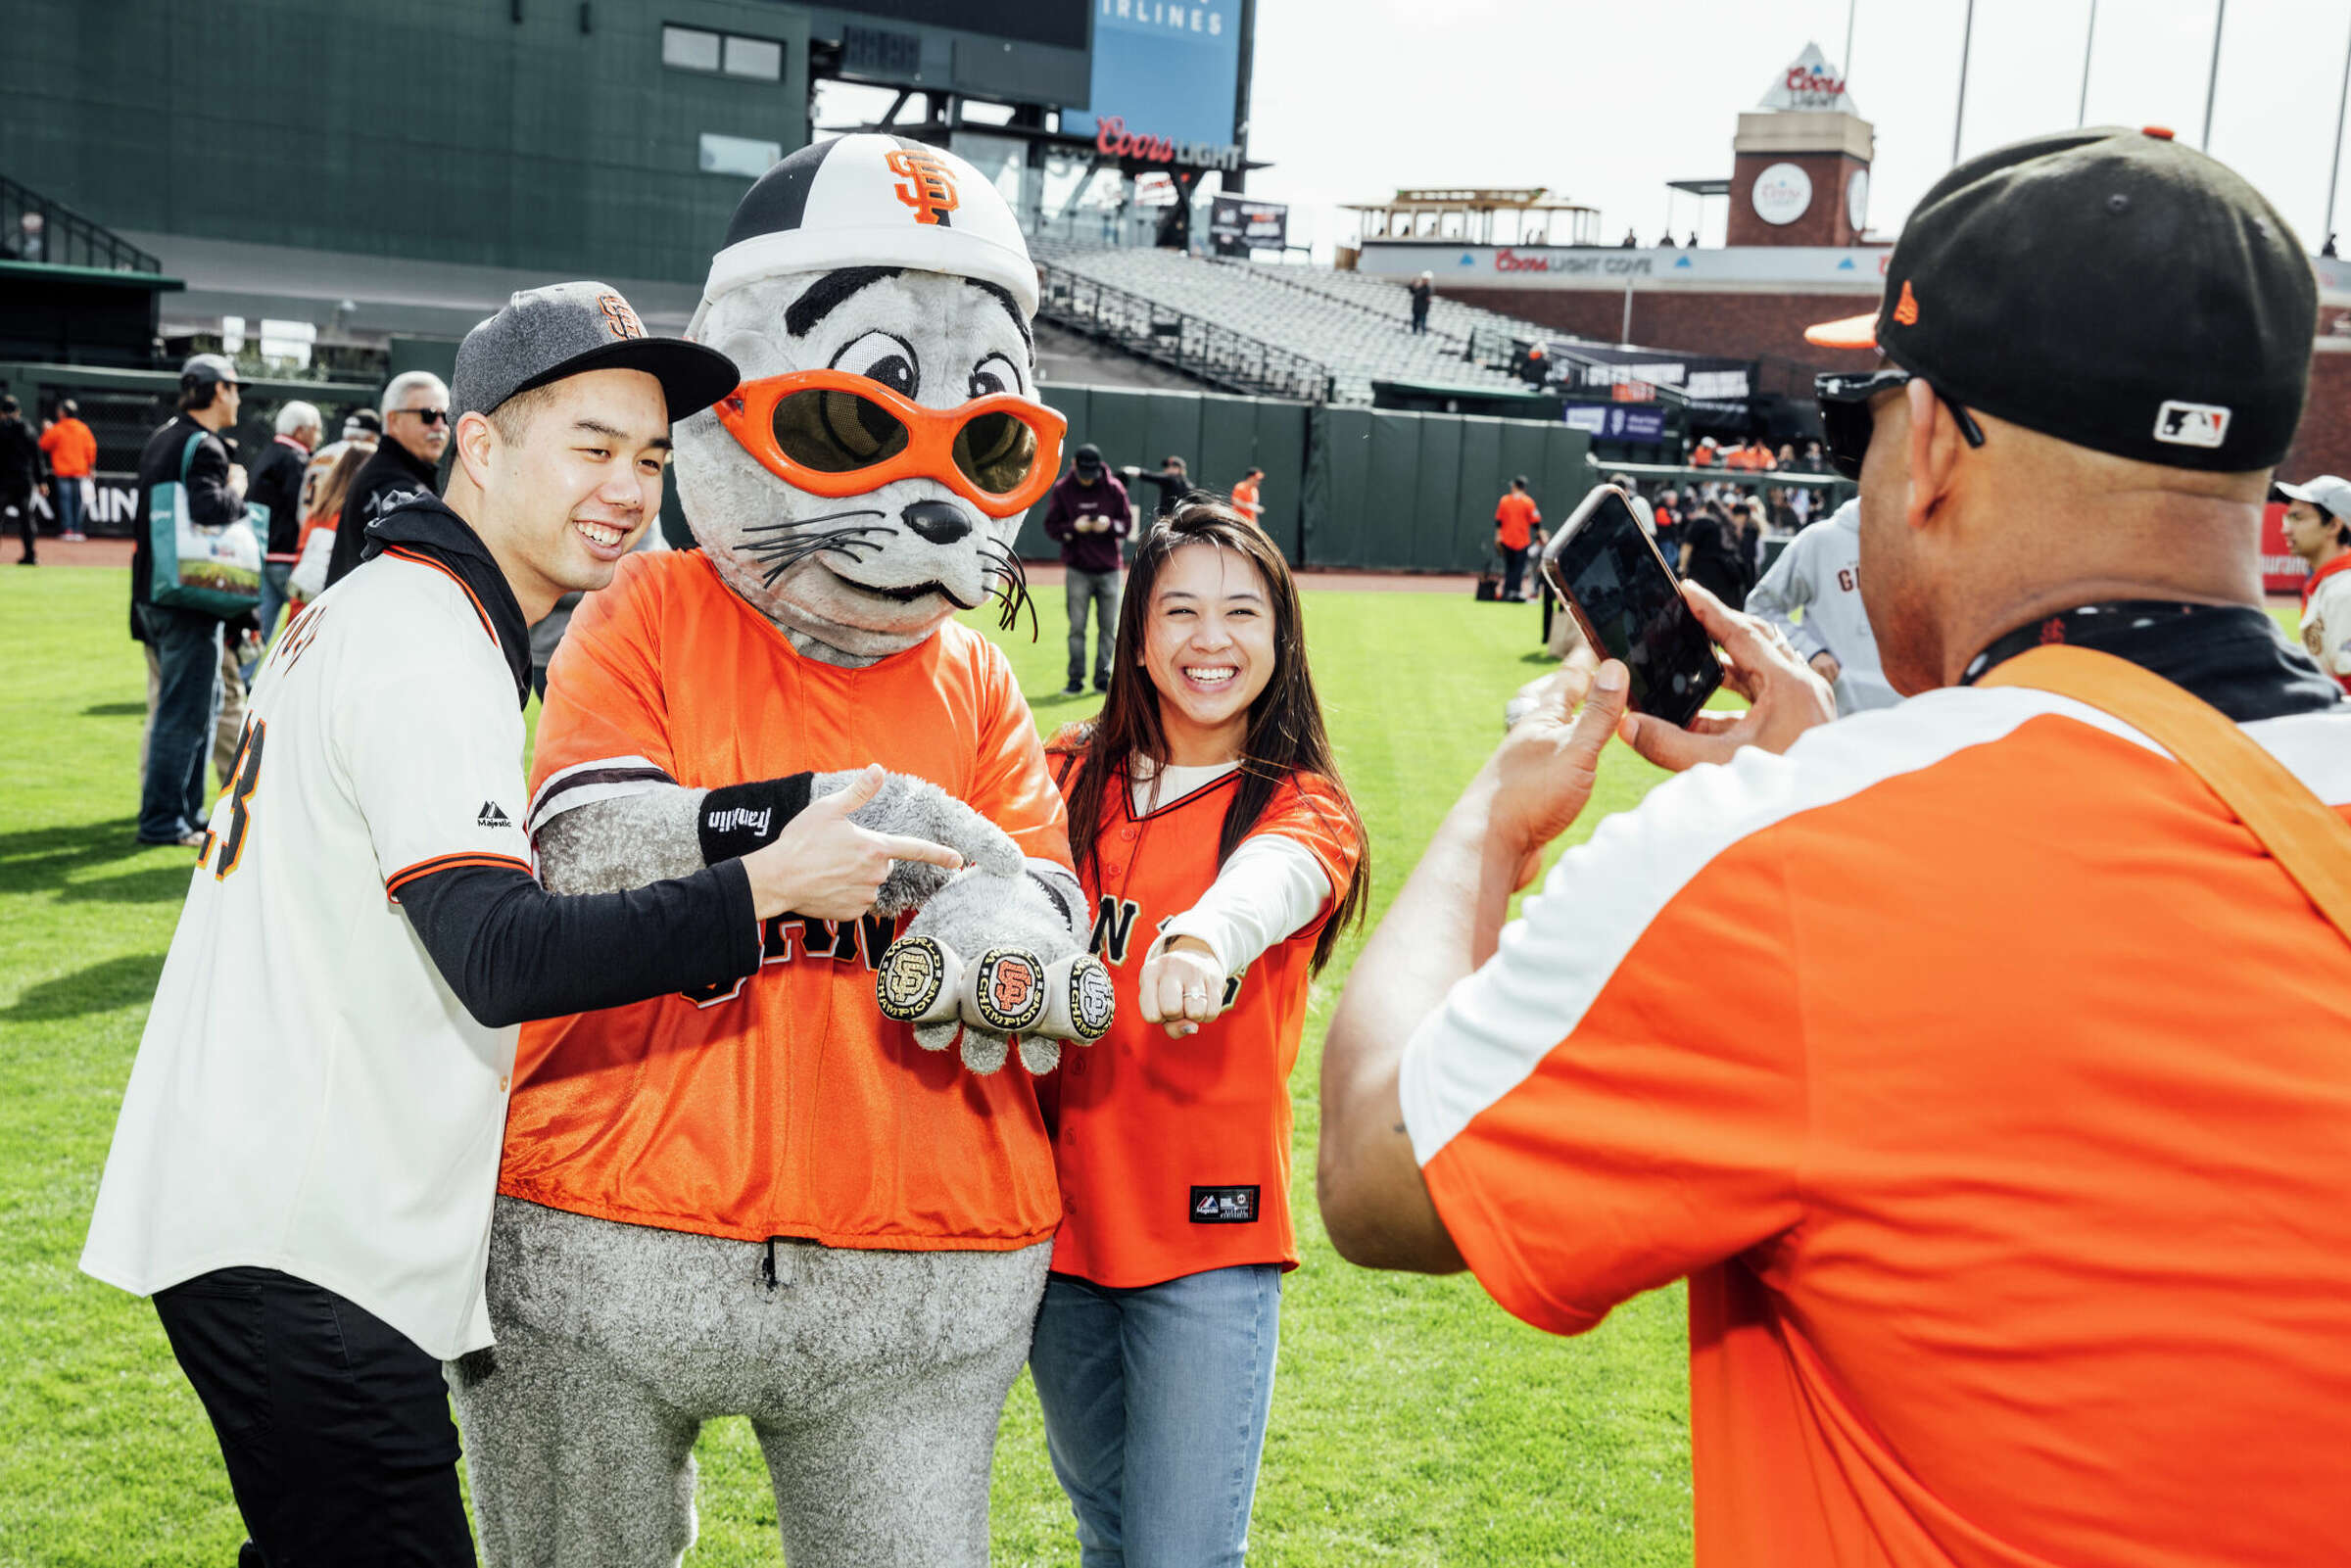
[(19, 458), (211, 502), (390, 477), (275, 482)]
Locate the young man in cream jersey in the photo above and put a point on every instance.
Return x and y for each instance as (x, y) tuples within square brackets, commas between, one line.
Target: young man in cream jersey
[(303, 1173)]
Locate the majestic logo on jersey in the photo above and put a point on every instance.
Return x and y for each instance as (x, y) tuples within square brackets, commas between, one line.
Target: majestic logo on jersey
[(1011, 990), (928, 187), (492, 815), (1223, 1206), (1091, 1002), (618, 318), (913, 972), (1113, 928)]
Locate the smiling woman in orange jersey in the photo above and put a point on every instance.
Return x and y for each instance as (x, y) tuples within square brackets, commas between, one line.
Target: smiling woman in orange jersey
[(1222, 857)]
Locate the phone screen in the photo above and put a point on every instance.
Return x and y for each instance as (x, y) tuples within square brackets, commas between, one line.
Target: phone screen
[(1630, 604)]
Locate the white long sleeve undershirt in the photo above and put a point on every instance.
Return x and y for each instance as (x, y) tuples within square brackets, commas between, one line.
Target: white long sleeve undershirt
[(1269, 889)]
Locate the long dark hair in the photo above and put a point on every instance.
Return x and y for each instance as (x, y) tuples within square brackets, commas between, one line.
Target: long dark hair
[(1285, 723)]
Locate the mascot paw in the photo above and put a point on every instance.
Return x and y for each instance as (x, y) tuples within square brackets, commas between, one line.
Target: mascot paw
[(1006, 993), (921, 809)]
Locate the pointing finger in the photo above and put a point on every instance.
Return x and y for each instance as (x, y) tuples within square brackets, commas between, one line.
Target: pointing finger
[(920, 850)]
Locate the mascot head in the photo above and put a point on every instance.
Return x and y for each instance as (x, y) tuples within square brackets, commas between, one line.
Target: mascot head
[(866, 479)]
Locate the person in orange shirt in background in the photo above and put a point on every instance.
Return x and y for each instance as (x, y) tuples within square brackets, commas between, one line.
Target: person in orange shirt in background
[(73, 452), (1987, 1079), (1222, 857), (1244, 496), (1704, 453), (1514, 518)]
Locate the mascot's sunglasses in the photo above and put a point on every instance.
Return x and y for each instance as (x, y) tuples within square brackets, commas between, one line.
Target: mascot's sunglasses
[(1847, 423), (834, 433)]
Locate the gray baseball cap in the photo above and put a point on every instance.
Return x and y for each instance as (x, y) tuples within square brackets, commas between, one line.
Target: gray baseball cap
[(567, 329), (2328, 493), (208, 367)]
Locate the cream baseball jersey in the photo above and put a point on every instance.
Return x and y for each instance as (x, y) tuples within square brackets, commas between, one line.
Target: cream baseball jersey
[(317, 1101)]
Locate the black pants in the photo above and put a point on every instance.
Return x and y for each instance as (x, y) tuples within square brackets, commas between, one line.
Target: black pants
[(334, 1425), (1514, 567), (26, 528)]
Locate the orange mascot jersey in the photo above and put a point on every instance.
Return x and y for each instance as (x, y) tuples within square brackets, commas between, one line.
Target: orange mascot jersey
[(789, 1106), (1175, 1155)]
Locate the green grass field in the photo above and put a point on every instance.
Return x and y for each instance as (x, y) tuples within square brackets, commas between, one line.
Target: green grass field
[(1414, 1422)]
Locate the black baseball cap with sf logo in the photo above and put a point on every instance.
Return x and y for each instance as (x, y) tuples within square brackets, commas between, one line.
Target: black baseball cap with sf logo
[(2108, 287)]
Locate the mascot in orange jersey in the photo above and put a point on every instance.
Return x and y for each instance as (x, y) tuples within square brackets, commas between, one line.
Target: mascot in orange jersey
[(822, 1198)]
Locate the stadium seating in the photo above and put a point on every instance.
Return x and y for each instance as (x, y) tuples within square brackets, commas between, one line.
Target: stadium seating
[(1356, 326)]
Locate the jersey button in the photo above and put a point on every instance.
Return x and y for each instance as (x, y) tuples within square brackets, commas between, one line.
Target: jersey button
[(1127, 833), (504, 1080)]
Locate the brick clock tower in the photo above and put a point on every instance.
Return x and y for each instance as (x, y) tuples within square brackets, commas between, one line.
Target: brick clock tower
[(1800, 175)]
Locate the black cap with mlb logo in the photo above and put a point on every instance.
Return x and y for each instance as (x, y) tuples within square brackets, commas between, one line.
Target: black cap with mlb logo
[(2110, 287), (567, 329)]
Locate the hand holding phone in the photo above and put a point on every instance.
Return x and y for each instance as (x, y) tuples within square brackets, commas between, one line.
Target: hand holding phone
[(1786, 695), (1604, 567)]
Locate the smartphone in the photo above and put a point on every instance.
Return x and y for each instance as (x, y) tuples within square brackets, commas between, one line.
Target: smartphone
[(1607, 570)]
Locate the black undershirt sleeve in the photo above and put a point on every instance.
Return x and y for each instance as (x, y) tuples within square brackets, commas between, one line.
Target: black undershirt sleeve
[(512, 951)]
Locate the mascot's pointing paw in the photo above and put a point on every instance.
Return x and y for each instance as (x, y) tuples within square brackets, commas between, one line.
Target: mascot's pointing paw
[(1032, 978)]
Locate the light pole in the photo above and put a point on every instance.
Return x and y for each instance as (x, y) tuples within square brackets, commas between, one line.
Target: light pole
[(2212, 82), (1960, 115), (1846, 64), (2335, 167), (2082, 114)]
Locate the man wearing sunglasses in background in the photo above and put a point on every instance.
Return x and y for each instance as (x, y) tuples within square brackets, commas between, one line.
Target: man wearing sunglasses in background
[(407, 463), (2005, 1144)]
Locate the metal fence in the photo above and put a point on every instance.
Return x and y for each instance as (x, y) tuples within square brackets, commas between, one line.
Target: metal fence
[(1214, 352), (62, 237)]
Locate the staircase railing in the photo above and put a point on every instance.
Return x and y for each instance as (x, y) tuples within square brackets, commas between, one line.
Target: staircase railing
[(65, 238), (1209, 349)]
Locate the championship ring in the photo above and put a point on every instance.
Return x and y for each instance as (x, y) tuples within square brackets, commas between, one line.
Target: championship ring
[(1090, 1000), (1009, 990), (914, 972)]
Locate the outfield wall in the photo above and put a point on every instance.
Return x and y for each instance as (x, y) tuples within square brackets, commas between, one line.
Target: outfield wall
[(1344, 486)]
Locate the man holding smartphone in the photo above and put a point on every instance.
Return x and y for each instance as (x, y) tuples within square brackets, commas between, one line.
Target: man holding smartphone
[(2003, 1128), (303, 1173)]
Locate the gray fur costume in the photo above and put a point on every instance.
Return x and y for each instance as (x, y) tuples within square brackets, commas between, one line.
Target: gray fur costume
[(875, 1379)]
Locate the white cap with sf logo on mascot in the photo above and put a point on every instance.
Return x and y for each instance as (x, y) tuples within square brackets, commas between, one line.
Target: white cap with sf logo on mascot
[(845, 202)]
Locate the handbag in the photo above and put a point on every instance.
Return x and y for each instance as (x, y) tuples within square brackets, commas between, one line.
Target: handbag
[(2309, 839), (212, 571), (1489, 580)]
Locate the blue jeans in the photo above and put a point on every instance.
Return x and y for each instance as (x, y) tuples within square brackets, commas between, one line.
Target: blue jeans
[(1155, 1410), (1102, 589), (66, 496), (274, 577), (188, 656)]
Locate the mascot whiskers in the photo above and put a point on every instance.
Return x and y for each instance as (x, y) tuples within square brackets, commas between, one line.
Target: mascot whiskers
[(822, 1199)]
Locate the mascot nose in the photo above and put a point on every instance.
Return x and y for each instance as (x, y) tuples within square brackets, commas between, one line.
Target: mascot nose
[(938, 521)]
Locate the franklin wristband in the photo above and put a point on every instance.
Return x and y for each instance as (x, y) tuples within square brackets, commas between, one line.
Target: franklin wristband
[(739, 818)]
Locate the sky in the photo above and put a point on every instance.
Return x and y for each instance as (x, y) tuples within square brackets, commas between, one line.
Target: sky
[(1605, 103)]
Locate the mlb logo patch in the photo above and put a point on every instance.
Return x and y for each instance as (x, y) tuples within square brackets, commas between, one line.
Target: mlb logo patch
[(2191, 424)]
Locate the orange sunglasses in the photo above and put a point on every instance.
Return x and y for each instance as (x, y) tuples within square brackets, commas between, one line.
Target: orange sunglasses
[(834, 433)]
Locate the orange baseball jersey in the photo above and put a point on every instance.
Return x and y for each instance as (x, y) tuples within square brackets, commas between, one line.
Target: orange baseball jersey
[(1245, 501), (1992, 1086), (787, 1105), (1175, 1155), (1514, 518)]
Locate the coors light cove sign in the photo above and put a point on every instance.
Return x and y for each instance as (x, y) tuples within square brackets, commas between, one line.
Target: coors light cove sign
[(1809, 85)]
